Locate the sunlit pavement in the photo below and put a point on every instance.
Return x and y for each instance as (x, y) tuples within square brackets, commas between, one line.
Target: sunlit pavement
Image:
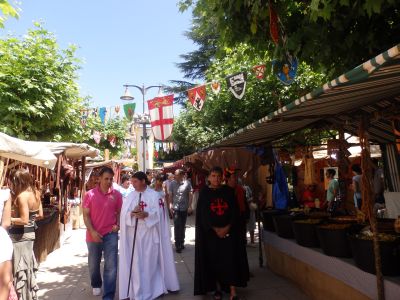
[(64, 274)]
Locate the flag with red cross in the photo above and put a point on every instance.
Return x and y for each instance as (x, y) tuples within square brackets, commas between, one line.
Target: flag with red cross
[(161, 116)]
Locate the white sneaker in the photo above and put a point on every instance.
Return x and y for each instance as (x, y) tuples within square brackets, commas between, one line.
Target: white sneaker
[(96, 291)]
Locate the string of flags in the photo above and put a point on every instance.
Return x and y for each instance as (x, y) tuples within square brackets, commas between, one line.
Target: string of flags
[(107, 113)]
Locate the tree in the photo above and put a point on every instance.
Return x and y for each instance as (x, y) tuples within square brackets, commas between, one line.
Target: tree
[(39, 95), (332, 36), (7, 10), (224, 114)]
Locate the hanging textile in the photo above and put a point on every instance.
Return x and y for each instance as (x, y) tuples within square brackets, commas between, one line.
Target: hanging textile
[(102, 114), (215, 87), (197, 96), (129, 110), (285, 70), (273, 24), (280, 190), (259, 71), (309, 172), (237, 84), (162, 116), (96, 136)]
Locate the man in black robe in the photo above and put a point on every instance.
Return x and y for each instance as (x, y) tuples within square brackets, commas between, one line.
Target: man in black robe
[(218, 259)]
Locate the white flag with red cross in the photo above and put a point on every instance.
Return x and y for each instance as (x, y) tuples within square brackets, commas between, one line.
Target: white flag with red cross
[(161, 116)]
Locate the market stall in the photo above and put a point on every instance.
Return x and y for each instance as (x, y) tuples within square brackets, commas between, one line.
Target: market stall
[(364, 102), (57, 169)]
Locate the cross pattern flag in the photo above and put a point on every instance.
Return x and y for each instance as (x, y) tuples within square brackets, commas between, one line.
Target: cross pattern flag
[(197, 96), (161, 116), (259, 71), (237, 84)]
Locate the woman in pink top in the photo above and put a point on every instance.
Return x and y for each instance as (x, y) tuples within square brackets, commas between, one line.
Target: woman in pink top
[(101, 209)]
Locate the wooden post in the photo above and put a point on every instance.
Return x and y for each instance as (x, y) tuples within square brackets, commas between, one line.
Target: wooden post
[(368, 202)]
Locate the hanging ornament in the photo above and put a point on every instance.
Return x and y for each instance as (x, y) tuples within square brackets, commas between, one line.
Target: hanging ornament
[(83, 120), (117, 109), (259, 71), (102, 114), (237, 84), (285, 70), (273, 24), (129, 110), (113, 140), (94, 112), (197, 96), (215, 87), (96, 136)]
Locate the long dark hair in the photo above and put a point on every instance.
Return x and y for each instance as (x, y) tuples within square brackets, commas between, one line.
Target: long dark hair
[(22, 181)]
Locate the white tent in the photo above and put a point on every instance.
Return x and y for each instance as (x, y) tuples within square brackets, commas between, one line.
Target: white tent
[(42, 154)]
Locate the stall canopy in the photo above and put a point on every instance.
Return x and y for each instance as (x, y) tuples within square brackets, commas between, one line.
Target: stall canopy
[(369, 89), (29, 152), (42, 154)]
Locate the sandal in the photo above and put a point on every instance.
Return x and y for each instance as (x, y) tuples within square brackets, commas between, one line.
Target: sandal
[(217, 295)]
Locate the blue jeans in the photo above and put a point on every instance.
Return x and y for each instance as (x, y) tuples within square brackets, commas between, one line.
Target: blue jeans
[(110, 248)]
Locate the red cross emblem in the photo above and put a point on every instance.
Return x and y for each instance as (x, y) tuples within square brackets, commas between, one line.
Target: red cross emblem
[(218, 206), (142, 205), (161, 202)]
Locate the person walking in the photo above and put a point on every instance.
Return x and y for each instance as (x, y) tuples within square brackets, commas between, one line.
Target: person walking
[(357, 185), (332, 192), (181, 205), (101, 210), (219, 261), (140, 260)]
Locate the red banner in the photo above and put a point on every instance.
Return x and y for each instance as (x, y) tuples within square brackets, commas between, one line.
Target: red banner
[(197, 96), (161, 116)]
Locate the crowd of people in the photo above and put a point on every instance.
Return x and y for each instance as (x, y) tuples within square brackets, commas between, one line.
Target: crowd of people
[(141, 208)]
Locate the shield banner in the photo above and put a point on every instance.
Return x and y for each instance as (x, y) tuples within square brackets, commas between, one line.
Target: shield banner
[(197, 96), (161, 116), (237, 84), (129, 110)]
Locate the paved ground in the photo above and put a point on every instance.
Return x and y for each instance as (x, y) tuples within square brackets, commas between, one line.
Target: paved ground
[(64, 275)]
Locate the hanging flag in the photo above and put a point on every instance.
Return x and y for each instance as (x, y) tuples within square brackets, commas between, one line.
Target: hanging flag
[(285, 70), (396, 131), (259, 71), (112, 139), (94, 112), (102, 114), (83, 120), (161, 116), (237, 84), (216, 87), (197, 96), (96, 136), (129, 110), (117, 109), (273, 24)]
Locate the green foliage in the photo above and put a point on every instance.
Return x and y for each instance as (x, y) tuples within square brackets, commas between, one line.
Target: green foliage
[(7, 10), (114, 127), (39, 96), (333, 36), (224, 114)]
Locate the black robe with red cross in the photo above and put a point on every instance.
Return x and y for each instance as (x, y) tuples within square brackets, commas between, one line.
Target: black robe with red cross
[(218, 259)]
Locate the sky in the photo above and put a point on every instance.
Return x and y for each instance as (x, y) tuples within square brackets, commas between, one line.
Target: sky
[(120, 42)]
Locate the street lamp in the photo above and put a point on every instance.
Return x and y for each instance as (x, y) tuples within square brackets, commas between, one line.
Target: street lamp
[(127, 96)]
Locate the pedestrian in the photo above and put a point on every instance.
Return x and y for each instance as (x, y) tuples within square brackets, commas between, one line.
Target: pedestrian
[(169, 270), (140, 269), (101, 210), (6, 245), (218, 258), (74, 201), (332, 193), (357, 185), (252, 204), (126, 186), (27, 206), (181, 201)]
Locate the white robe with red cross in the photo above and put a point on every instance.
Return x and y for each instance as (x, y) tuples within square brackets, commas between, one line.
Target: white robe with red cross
[(168, 268), (147, 282)]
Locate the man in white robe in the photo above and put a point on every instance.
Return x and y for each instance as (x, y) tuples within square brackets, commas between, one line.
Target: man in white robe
[(141, 207), (168, 266)]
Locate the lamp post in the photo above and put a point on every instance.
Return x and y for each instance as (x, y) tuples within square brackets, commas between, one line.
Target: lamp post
[(127, 96)]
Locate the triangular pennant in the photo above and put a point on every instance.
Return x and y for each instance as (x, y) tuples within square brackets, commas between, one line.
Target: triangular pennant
[(237, 84), (215, 87), (273, 24), (117, 109), (129, 110), (161, 116), (259, 71), (113, 140), (96, 136), (83, 120), (197, 96)]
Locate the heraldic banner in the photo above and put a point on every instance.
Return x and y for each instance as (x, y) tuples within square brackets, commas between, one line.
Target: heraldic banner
[(197, 96), (129, 110), (161, 116)]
